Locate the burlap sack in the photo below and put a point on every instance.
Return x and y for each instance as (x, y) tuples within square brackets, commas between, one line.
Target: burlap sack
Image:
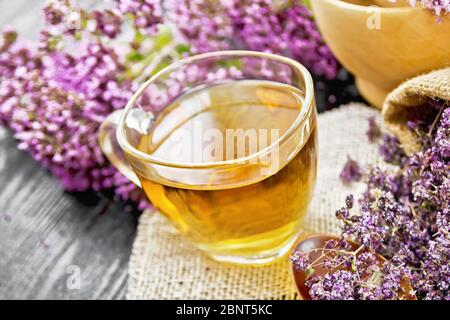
[(164, 266), (409, 100)]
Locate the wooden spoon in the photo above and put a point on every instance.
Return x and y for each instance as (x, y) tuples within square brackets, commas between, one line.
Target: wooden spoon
[(318, 241)]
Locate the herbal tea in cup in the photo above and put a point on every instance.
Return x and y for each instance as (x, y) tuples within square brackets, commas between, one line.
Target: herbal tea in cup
[(224, 145)]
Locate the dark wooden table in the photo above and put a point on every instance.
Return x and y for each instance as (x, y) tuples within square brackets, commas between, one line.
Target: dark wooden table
[(56, 245), (48, 236)]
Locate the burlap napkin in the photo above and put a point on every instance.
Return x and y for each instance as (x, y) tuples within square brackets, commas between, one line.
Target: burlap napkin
[(164, 266), (410, 100)]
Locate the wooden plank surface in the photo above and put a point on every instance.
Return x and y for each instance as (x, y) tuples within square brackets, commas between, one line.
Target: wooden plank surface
[(48, 237)]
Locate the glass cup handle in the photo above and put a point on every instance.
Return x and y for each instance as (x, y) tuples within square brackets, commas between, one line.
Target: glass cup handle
[(111, 149)]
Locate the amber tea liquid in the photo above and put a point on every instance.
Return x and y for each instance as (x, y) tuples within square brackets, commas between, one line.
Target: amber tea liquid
[(233, 214)]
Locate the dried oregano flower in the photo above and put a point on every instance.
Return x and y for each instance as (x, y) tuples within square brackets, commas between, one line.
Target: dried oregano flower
[(404, 216)]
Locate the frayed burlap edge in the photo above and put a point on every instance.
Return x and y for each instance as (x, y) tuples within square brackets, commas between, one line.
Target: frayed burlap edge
[(412, 97)]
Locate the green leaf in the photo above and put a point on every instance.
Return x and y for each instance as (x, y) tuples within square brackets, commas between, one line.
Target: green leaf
[(231, 63), (135, 56), (182, 48), (138, 36), (163, 38), (309, 271), (54, 42), (161, 66), (354, 266), (306, 3), (78, 35)]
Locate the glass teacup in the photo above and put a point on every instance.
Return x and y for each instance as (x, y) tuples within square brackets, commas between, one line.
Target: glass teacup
[(224, 144)]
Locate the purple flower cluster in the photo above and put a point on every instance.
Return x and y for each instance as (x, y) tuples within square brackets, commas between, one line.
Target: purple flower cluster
[(390, 149), (440, 7), (146, 14), (403, 216), (337, 285), (54, 102), (355, 273), (108, 23), (351, 171), (373, 132), (255, 25), (203, 23)]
